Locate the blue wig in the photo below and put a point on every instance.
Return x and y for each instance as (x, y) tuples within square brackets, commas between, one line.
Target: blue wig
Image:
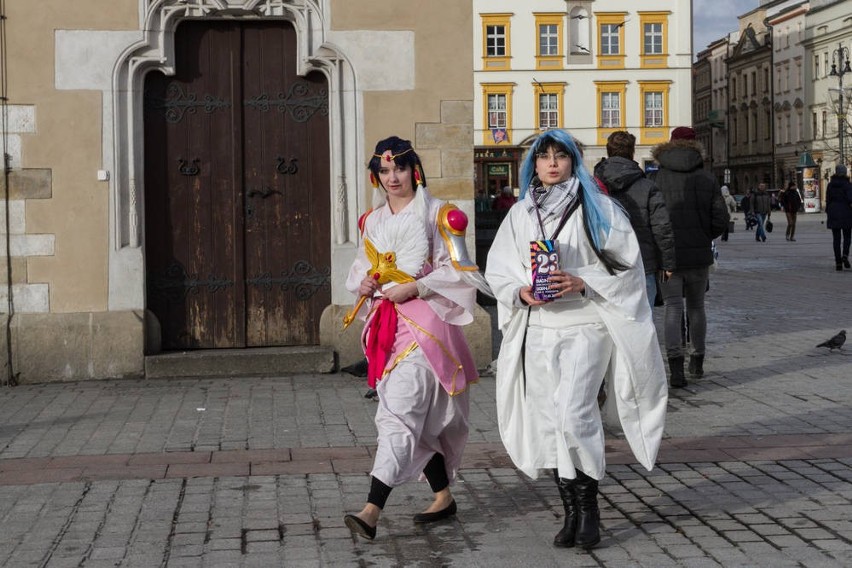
[(595, 218)]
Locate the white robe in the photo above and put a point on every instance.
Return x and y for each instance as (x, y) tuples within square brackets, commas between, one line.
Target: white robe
[(636, 380)]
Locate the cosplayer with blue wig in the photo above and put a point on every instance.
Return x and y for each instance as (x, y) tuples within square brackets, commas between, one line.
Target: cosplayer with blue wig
[(587, 319), (595, 221), (412, 275)]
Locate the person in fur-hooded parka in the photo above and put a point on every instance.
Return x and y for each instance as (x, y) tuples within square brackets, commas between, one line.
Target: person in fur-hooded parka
[(698, 215)]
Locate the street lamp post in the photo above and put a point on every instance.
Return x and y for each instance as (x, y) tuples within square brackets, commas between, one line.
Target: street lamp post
[(838, 69)]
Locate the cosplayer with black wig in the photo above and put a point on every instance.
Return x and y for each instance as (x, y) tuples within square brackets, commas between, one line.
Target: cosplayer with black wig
[(402, 153), (585, 320), (416, 288)]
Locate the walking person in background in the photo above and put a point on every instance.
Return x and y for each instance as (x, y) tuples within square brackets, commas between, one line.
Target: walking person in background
[(838, 210), (645, 206), (698, 215), (745, 205), (418, 359), (587, 319), (731, 204), (791, 201), (761, 204)]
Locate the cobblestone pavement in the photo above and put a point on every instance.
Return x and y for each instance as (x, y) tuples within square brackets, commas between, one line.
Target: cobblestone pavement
[(755, 469)]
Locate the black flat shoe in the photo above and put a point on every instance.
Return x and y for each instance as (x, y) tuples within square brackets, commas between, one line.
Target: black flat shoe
[(359, 527), (436, 516)]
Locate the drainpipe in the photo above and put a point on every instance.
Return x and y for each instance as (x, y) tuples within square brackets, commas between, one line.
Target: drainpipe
[(10, 379), (770, 28)]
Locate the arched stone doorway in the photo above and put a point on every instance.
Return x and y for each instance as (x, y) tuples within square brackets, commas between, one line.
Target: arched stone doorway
[(315, 58), (237, 224)]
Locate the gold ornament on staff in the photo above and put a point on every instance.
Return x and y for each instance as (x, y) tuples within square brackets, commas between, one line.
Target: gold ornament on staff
[(383, 270)]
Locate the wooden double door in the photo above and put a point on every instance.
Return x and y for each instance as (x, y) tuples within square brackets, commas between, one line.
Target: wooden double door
[(237, 220)]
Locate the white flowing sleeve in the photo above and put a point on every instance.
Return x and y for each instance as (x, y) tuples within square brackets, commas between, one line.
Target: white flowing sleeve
[(507, 270), (357, 272)]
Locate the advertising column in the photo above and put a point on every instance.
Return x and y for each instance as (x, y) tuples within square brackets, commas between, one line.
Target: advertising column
[(808, 178)]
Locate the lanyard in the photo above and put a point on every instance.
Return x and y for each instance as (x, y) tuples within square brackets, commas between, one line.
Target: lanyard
[(565, 215)]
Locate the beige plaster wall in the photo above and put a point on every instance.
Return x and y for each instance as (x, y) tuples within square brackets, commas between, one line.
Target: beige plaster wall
[(79, 339), (437, 116), (67, 140)]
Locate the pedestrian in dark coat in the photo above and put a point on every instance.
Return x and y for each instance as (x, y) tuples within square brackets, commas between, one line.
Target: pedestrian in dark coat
[(791, 201), (761, 204), (641, 198), (838, 209), (745, 205), (698, 215)]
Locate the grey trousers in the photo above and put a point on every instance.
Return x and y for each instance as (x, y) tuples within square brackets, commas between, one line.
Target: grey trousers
[(685, 285)]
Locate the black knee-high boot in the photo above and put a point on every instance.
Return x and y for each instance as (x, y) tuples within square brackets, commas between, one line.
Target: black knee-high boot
[(588, 515), (565, 537)]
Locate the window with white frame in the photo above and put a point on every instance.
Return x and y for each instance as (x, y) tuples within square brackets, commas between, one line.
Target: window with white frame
[(548, 110), (609, 39), (548, 39), (610, 110), (497, 111), (653, 110), (653, 38), (495, 41)]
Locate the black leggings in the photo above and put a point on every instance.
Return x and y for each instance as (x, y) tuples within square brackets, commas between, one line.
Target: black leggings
[(836, 234), (435, 472)]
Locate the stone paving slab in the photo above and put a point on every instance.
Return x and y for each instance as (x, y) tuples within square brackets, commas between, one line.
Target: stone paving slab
[(724, 514), (755, 468)]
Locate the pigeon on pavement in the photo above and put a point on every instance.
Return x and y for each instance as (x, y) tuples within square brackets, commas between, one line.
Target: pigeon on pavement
[(835, 342)]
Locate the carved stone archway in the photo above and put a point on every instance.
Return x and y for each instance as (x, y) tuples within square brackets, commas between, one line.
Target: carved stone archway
[(155, 51)]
